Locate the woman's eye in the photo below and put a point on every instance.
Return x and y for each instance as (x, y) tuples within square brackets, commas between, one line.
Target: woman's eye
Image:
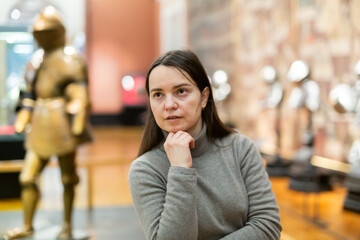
[(182, 91), (157, 95)]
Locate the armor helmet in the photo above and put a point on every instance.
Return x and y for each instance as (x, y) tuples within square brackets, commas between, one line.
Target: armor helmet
[(48, 29), (298, 71), (269, 74)]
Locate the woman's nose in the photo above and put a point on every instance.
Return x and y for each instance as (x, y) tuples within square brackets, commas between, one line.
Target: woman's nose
[(170, 103)]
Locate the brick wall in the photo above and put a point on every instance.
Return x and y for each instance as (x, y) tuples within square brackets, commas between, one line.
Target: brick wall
[(241, 36)]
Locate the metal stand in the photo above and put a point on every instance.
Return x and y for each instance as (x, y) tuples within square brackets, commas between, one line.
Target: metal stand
[(306, 178), (352, 200)]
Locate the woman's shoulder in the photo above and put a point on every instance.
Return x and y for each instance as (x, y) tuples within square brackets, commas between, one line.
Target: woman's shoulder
[(147, 157), (153, 160)]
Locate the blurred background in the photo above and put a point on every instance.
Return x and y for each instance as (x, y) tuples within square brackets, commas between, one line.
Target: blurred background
[(283, 72)]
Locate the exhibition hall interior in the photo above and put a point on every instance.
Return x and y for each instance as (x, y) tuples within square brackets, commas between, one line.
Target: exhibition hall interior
[(286, 74)]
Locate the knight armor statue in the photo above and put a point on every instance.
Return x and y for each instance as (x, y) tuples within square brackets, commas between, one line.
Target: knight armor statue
[(276, 165), (305, 96), (275, 93), (345, 98), (306, 93), (54, 116)]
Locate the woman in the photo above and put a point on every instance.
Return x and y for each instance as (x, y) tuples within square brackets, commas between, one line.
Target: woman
[(195, 178)]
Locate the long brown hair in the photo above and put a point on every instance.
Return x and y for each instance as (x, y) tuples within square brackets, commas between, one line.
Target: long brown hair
[(183, 60)]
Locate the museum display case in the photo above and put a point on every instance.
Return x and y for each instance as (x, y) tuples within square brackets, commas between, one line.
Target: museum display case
[(16, 48), (16, 45)]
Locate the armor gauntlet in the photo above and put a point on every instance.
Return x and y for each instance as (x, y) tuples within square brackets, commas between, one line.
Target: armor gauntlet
[(24, 116), (77, 106)]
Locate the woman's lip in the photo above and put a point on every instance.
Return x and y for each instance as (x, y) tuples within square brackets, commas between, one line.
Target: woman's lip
[(172, 117)]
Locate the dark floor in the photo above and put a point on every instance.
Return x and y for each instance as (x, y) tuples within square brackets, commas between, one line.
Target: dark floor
[(101, 223)]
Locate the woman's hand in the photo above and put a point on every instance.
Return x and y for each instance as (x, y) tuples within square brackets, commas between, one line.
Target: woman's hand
[(177, 147)]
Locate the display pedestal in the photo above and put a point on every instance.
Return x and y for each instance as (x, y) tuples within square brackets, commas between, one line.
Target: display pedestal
[(306, 178), (352, 200), (277, 166), (311, 184), (311, 180), (11, 148)]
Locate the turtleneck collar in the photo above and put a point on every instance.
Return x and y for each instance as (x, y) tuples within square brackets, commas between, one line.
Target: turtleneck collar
[(201, 142)]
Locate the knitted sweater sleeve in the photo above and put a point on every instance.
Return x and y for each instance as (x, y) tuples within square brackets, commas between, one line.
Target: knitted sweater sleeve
[(263, 213), (165, 208)]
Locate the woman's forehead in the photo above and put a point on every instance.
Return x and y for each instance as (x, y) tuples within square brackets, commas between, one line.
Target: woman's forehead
[(162, 75)]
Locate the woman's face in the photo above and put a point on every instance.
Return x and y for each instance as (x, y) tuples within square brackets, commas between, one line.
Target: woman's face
[(175, 100)]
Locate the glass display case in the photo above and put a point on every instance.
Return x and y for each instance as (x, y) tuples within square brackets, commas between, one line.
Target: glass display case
[(16, 48)]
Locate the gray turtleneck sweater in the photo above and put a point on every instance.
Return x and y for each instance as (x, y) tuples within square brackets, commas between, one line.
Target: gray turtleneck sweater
[(225, 195)]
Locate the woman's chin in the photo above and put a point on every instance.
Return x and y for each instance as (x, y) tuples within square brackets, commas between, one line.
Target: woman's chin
[(174, 129)]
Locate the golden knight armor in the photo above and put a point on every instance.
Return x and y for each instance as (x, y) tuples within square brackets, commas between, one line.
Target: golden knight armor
[(54, 115)]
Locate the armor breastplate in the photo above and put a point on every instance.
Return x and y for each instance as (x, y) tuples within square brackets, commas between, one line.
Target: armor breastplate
[(56, 71), (275, 95), (307, 95), (51, 123)]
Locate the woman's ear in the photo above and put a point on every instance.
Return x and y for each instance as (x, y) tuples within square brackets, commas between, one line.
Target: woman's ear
[(204, 97)]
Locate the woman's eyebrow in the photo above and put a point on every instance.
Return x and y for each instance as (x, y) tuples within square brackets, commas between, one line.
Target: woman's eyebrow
[(155, 90), (174, 87), (182, 85)]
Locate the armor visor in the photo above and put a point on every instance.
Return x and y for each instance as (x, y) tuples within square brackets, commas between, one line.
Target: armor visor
[(48, 29), (50, 39)]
